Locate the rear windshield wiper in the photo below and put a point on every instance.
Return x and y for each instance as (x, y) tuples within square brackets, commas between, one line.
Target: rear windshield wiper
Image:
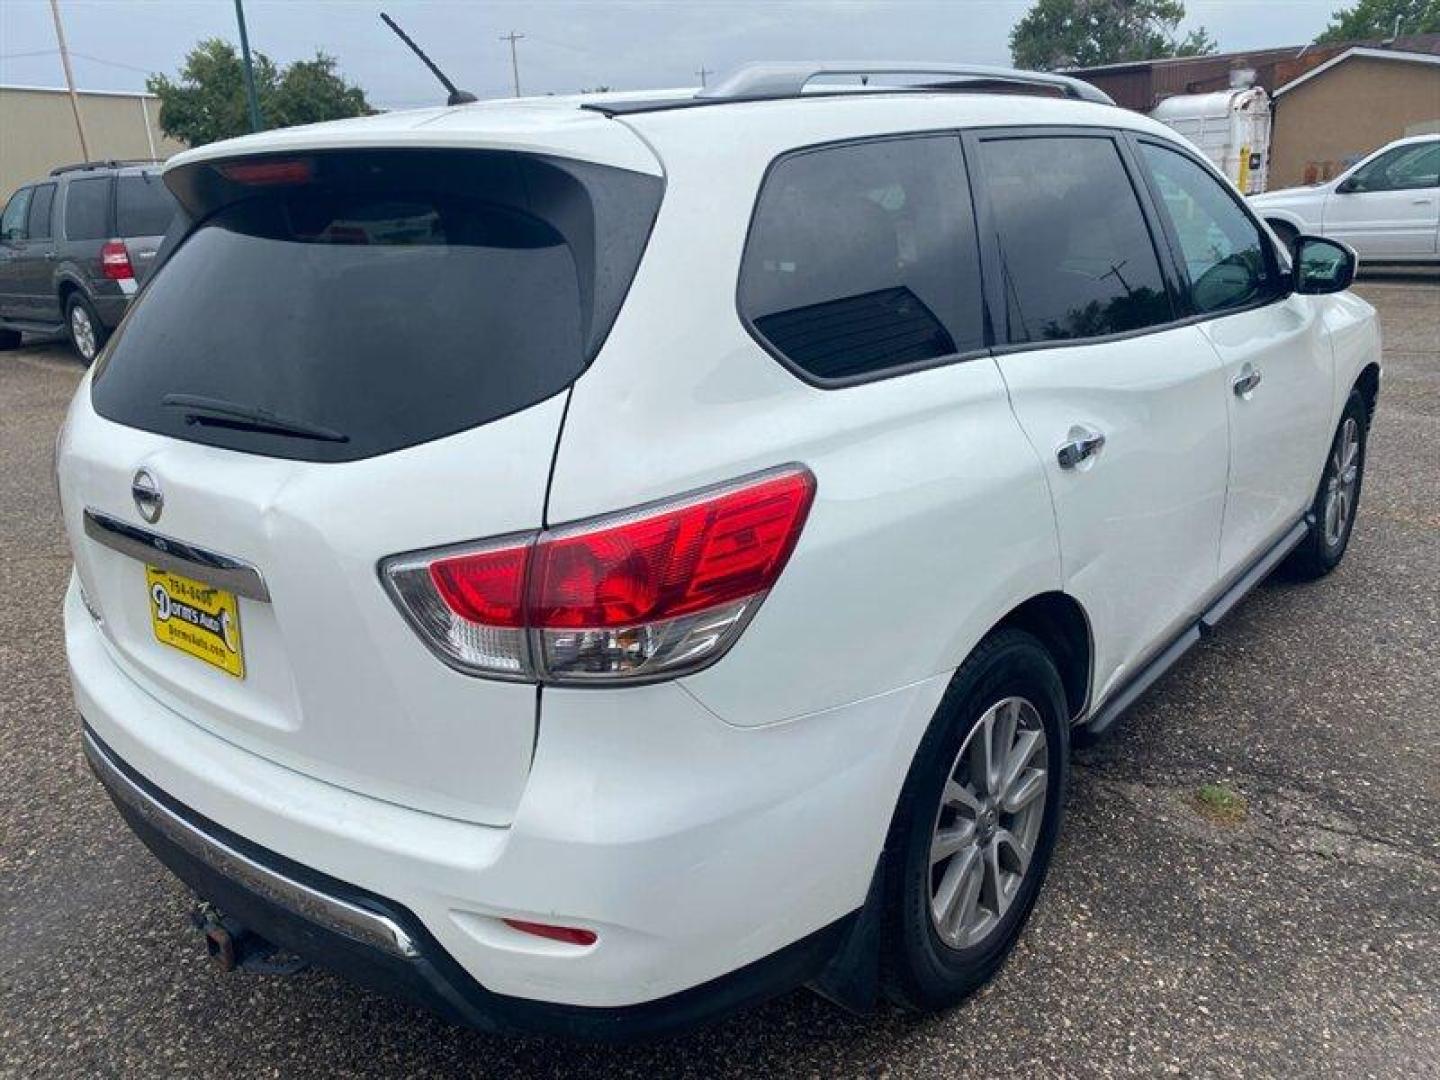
[(218, 413)]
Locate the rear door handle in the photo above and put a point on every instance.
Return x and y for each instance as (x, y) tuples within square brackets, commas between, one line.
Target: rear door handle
[(1083, 443), (1246, 382)]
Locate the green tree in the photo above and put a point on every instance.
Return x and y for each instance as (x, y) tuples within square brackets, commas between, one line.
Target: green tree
[(1082, 33), (1370, 19), (206, 101)]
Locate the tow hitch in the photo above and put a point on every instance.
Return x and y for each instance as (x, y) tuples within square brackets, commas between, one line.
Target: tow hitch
[(236, 948)]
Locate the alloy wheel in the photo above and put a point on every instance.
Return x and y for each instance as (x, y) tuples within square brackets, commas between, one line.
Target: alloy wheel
[(989, 820), (1341, 479), (82, 332)]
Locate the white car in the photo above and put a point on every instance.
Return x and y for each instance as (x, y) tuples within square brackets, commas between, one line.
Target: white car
[(1386, 207), (673, 567)]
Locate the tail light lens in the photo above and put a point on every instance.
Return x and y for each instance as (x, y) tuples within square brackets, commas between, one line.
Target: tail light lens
[(115, 261), (645, 594)]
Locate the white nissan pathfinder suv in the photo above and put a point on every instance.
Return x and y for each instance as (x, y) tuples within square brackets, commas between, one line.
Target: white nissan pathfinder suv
[(588, 564)]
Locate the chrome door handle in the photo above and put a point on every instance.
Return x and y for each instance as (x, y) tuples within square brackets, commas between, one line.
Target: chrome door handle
[(1084, 443), (1246, 381)]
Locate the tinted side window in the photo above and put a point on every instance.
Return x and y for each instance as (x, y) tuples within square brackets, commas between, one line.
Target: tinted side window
[(863, 258), (12, 226), (1076, 257), (143, 205), (87, 209), (40, 205), (1403, 169), (1228, 261)]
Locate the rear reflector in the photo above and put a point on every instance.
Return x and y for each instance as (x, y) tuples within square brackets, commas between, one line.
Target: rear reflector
[(265, 172), (115, 261), (644, 594), (571, 935)]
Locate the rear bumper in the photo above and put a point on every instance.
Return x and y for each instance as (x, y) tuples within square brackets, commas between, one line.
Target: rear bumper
[(111, 309), (713, 862), (379, 944)]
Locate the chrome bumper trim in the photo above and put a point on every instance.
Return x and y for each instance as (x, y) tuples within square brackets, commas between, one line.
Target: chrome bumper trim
[(221, 571), (327, 911)]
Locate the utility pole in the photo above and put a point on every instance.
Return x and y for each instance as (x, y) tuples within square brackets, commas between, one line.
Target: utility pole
[(702, 73), (256, 123), (512, 38), (69, 79)]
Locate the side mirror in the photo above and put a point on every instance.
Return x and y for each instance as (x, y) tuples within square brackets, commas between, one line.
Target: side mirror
[(1345, 187), (1323, 266)]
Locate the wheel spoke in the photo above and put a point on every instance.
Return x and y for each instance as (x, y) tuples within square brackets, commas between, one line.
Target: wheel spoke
[(999, 900), (1002, 737), (958, 795), (948, 895), (1008, 840), (1025, 747), (947, 842), (1024, 791), (980, 752)]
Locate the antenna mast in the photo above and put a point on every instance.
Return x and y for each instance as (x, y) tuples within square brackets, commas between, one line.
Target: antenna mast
[(456, 95)]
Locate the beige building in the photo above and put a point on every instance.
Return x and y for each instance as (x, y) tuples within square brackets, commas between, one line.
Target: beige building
[(37, 131), (1352, 104)]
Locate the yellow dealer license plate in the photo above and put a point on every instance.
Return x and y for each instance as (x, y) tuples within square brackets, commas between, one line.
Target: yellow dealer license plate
[(196, 618)]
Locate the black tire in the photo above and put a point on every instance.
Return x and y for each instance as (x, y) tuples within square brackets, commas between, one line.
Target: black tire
[(1286, 232), (85, 349), (921, 971), (1324, 546), (9, 339)]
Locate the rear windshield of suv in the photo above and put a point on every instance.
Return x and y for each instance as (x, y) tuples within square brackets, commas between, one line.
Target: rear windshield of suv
[(387, 299), (143, 205)]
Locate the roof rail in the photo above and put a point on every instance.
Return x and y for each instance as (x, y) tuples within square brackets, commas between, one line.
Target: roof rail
[(111, 163), (788, 78)]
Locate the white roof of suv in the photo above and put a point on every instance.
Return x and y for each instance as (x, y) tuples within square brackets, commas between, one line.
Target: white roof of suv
[(769, 98)]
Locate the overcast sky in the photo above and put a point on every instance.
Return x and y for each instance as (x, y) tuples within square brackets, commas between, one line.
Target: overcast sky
[(568, 45)]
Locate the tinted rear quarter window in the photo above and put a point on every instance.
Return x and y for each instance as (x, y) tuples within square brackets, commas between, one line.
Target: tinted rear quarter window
[(862, 259), (143, 205), (87, 209), (1075, 254), (41, 205), (396, 298)]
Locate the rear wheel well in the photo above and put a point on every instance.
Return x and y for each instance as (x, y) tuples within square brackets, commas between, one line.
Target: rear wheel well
[(1369, 386), (1059, 622), (66, 288)]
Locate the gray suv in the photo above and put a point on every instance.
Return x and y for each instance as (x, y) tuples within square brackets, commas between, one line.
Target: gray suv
[(75, 247)]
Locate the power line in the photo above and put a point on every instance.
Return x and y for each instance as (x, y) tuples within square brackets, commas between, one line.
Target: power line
[(512, 38), (111, 63)]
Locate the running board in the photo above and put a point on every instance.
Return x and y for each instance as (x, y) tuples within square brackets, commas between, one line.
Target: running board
[(1150, 674), (1256, 574), (32, 326)]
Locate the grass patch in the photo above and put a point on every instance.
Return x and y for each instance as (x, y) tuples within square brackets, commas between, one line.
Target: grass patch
[(1218, 803)]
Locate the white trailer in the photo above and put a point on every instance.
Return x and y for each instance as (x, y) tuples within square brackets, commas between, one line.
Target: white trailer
[(1231, 127)]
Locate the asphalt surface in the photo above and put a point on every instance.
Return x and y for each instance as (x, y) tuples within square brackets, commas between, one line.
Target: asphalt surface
[(1299, 937)]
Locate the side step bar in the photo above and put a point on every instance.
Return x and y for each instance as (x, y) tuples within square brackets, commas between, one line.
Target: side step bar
[(1150, 674)]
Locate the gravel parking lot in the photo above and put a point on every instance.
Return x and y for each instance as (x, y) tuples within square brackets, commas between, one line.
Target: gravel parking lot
[(1293, 929)]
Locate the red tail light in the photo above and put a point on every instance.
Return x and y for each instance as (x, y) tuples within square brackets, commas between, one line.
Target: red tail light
[(267, 172), (644, 594), (115, 261)]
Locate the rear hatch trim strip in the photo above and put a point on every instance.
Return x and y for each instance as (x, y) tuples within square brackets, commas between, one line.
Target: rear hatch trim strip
[(167, 553)]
